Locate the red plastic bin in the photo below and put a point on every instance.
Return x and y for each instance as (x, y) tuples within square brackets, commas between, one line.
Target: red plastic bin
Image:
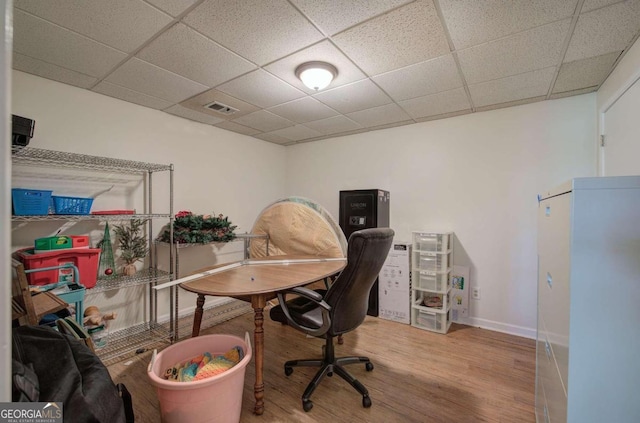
[(79, 241), (85, 259)]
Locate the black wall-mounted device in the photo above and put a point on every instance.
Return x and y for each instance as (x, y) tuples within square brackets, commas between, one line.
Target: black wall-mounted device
[(21, 130)]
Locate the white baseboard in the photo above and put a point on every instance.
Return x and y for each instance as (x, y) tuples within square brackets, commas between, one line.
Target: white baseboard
[(212, 302), (522, 331), (499, 327)]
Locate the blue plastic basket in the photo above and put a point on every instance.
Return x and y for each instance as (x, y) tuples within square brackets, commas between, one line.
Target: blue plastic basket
[(71, 205), (30, 202)]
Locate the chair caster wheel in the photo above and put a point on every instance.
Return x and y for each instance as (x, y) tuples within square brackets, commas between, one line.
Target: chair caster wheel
[(330, 374), (308, 405), (368, 366), (366, 401), (288, 370)]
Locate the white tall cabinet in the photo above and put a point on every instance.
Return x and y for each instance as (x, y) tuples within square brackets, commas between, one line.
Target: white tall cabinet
[(588, 338)]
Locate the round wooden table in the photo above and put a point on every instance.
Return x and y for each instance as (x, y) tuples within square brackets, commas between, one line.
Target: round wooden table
[(258, 281)]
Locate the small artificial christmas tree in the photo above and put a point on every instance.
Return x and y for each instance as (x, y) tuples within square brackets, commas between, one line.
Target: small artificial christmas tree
[(133, 244), (107, 266)]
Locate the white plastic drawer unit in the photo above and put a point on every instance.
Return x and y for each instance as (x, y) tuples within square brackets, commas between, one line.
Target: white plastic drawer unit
[(434, 242), (435, 262), (431, 320), (431, 280), (431, 301)]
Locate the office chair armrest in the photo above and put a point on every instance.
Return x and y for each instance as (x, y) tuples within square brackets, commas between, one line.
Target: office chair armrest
[(316, 298), (307, 293)]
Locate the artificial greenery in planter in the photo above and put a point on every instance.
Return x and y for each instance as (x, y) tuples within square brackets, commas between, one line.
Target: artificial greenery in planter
[(132, 242), (189, 228)]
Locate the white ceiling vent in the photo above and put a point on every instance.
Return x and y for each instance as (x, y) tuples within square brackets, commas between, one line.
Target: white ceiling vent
[(221, 108)]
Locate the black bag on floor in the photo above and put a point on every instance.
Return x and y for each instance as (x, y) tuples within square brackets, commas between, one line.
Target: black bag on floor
[(58, 368)]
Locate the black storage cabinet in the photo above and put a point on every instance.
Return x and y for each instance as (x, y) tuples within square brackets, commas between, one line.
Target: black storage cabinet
[(363, 209)]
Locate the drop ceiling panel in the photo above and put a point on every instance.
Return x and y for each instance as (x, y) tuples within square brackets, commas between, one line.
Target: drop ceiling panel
[(604, 30), (333, 16), (589, 72), (178, 110), (131, 96), (53, 44), (334, 125), (353, 97), (173, 7), (149, 79), (56, 73), (263, 121), (572, 93), (260, 31), (473, 22), (285, 68), (530, 50), (389, 125), (270, 137), (190, 54), (589, 5), (381, 115), (444, 116), (379, 45), (261, 88), (437, 104), (510, 103), (517, 87), (303, 110), (432, 76), (121, 24), (235, 127), (296, 133)]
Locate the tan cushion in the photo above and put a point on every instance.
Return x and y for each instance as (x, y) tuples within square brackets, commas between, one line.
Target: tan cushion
[(297, 227)]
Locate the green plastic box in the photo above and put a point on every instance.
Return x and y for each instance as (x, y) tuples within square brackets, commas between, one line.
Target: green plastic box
[(53, 243)]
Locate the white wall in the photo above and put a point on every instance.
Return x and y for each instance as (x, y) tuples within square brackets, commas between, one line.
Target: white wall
[(617, 85), (477, 175), (215, 170)]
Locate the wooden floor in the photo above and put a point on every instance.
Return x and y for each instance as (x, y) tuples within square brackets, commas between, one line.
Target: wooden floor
[(468, 375)]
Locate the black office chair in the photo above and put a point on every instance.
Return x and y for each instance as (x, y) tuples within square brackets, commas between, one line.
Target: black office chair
[(341, 309)]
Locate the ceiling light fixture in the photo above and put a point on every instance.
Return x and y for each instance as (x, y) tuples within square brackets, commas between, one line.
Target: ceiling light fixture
[(316, 75)]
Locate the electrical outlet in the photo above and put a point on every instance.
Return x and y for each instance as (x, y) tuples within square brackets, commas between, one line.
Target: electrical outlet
[(475, 293)]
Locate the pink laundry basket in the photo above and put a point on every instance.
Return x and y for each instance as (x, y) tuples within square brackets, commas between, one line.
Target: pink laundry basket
[(216, 399)]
